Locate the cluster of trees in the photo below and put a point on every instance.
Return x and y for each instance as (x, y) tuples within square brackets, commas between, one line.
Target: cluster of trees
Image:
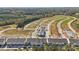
[(10, 15), (26, 21)]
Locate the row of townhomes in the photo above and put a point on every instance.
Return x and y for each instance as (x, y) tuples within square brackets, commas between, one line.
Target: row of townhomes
[(13, 42)]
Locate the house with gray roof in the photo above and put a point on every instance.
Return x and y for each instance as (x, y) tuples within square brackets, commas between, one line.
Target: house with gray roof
[(16, 42), (2, 42), (57, 41), (36, 41)]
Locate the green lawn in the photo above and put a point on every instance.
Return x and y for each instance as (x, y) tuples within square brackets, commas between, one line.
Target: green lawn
[(75, 25)]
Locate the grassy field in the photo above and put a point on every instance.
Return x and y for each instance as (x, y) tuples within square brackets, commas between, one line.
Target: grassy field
[(7, 26), (75, 25), (65, 23), (48, 20)]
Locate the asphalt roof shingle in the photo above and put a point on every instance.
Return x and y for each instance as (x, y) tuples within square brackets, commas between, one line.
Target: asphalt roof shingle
[(35, 41), (16, 41), (57, 41), (2, 41)]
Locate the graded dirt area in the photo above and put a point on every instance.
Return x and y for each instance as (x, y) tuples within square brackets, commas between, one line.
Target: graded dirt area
[(75, 26), (7, 26), (65, 23), (53, 27)]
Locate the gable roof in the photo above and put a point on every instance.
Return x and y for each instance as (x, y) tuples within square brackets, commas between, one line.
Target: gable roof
[(36, 41), (2, 40), (16, 40), (57, 41)]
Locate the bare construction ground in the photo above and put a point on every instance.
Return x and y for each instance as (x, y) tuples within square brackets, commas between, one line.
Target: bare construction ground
[(27, 32), (7, 26), (53, 27), (67, 29), (28, 29)]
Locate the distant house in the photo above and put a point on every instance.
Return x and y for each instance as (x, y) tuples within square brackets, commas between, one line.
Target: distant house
[(41, 31)]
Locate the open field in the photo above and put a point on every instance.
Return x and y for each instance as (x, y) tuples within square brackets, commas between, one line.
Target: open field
[(17, 33), (7, 26), (75, 25), (31, 27), (47, 21), (53, 27), (64, 24), (28, 29), (67, 29), (33, 24)]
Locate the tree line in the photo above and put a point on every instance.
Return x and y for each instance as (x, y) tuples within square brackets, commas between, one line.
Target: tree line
[(18, 15)]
